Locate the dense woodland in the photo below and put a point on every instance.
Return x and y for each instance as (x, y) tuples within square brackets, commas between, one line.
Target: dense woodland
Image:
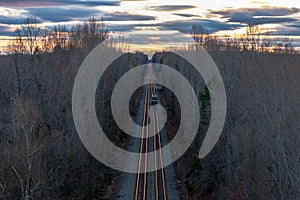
[(41, 154), (42, 157), (257, 156)]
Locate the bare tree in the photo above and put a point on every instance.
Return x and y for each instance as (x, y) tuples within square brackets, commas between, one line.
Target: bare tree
[(199, 33), (89, 33), (25, 149), (283, 45), (59, 37), (29, 36), (253, 36)]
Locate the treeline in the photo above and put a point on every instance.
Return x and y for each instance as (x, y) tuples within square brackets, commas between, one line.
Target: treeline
[(255, 39), (41, 156), (34, 38)]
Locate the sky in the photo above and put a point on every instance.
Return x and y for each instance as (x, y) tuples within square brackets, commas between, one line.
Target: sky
[(155, 24)]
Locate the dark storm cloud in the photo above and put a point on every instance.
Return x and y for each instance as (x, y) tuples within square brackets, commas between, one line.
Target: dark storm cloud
[(262, 15), (172, 7), (212, 26), (62, 14), (37, 3)]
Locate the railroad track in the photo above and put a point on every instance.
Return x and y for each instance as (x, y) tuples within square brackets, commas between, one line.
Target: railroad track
[(151, 185)]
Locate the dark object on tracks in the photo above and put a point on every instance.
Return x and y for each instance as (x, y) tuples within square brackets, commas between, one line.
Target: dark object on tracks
[(153, 99)]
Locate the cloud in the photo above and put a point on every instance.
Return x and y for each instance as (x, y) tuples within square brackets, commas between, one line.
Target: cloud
[(262, 11), (287, 32), (248, 19), (291, 29), (212, 26), (262, 15), (170, 38), (6, 30), (130, 27), (122, 16), (12, 19), (69, 13), (172, 7), (187, 15), (62, 14), (39, 3), (121, 28), (295, 25)]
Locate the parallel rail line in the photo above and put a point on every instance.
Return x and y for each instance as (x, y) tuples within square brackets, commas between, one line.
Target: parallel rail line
[(141, 188)]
